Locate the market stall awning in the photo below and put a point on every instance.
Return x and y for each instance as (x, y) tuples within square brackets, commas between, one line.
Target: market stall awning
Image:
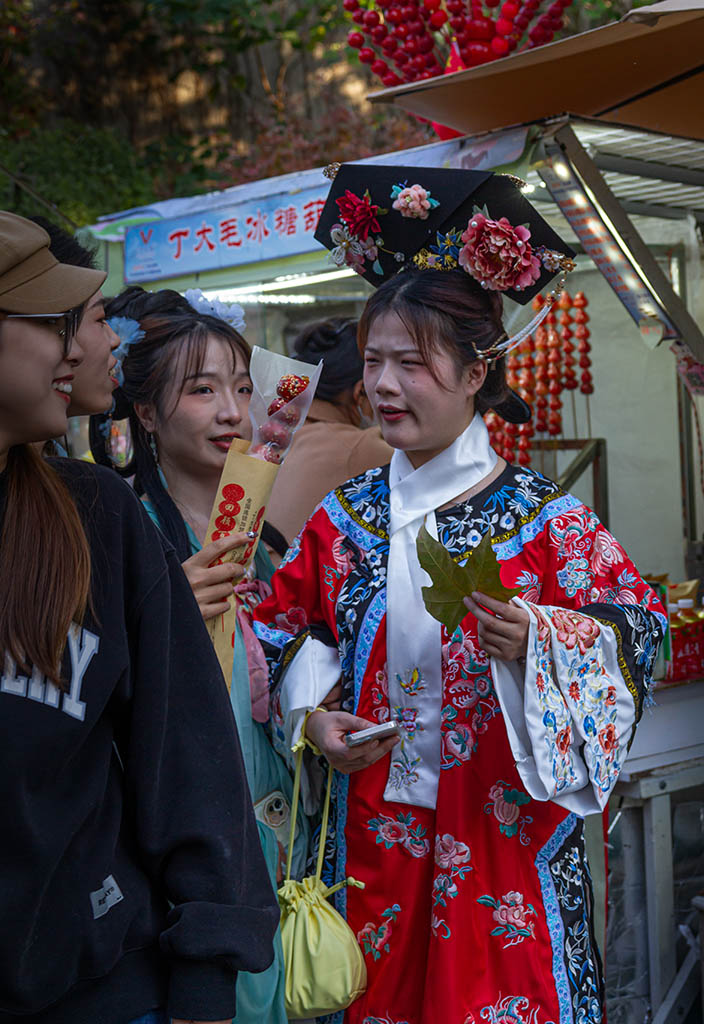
[(646, 70)]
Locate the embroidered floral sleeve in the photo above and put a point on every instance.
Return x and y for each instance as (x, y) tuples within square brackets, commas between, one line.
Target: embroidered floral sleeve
[(595, 575), (572, 716)]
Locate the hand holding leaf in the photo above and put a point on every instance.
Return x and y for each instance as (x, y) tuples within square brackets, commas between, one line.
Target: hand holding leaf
[(451, 583)]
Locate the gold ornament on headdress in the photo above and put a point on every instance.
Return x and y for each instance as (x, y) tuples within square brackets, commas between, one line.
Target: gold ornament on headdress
[(424, 259), (331, 170), (518, 182)]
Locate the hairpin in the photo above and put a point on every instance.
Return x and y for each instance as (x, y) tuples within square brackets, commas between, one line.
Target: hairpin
[(232, 314)]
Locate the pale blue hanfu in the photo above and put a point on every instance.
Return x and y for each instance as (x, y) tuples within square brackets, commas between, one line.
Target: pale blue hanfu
[(260, 997)]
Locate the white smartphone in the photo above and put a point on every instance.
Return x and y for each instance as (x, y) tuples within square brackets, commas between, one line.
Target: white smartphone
[(374, 732)]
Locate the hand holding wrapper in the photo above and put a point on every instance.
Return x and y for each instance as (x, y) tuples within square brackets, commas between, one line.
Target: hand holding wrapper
[(283, 391)]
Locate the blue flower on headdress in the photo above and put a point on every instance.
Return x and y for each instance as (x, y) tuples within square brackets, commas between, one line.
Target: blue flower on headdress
[(447, 249), (129, 332), (232, 313)]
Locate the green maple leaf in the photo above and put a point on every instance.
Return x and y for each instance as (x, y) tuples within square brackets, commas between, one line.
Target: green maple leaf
[(452, 582)]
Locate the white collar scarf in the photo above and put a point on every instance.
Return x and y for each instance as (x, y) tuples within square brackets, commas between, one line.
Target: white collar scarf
[(413, 637)]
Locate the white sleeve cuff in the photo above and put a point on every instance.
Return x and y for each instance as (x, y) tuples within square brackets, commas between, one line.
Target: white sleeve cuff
[(569, 719), (311, 675)]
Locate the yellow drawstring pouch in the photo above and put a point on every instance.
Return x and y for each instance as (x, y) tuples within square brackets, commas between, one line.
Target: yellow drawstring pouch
[(325, 969)]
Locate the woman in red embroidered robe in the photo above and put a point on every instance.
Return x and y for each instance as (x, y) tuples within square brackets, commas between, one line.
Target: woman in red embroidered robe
[(468, 832)]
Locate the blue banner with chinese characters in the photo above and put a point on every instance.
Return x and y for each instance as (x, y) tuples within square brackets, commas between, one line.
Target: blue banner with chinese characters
[(264, 229)]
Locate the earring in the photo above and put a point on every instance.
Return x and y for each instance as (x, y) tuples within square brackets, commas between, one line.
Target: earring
[(152, 445)]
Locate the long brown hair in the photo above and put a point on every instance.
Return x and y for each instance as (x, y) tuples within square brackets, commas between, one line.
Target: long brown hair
[(446, 309), (44, 564)]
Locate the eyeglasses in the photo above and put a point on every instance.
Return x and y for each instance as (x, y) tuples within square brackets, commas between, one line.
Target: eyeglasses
[(68, 323)]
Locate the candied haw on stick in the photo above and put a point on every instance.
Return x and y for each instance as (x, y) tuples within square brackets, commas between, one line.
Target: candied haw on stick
[(276, 433), (268, 452), (283, 411), (277, 404), (290, 385)]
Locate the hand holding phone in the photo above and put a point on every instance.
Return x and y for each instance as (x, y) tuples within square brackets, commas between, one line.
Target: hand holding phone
[(329, 732), (374, 732)]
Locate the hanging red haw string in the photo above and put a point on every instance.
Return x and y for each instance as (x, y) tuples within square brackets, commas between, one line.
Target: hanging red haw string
[(569, 375), (426, 38), (539, 370), (526, 389), (582, 333), (511, 429), (554, 378), (542, 383)]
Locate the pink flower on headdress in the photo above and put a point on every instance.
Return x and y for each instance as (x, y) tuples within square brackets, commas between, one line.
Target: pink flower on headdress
[(360, 215), (413, 201), (498, 255)]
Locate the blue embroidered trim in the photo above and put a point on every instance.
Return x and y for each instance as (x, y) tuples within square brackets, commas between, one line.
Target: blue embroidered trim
[(276, 637), (365, 639), (341, 794), (346, 525), (662, 619), (529, 531), (293, 551), (553, 917)]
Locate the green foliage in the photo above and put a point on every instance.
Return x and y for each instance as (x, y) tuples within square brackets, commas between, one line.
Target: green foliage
[(76, 168), (586, 14)]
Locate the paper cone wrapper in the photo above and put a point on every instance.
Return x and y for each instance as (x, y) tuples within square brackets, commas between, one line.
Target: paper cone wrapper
[(243, 492), (247, 479)]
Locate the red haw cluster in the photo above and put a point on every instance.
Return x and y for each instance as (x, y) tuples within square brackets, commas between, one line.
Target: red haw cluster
[(276, 433), (543, 367), (412, 40)]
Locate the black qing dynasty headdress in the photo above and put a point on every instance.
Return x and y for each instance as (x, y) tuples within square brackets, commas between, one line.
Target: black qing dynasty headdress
[(379, 219)]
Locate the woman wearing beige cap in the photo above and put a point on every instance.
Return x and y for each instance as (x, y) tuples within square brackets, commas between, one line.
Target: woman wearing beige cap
[(126, 894)]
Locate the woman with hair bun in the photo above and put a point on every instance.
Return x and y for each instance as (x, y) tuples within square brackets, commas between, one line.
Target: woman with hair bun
[(513, 716), (336, 441)]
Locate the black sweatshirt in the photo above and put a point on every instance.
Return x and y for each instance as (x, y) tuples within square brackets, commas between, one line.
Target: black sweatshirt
[(131, 873)]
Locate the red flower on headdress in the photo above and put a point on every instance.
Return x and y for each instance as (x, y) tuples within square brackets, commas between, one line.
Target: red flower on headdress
[(498, 255), (359, 214)]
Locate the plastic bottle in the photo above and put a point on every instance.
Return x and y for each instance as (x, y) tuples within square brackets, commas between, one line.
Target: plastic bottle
[(691, 632), (685, 607), (676, 668), (699, 612)]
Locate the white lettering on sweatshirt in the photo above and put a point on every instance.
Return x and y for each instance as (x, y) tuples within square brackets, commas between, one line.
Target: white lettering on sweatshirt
[(82, 646)]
